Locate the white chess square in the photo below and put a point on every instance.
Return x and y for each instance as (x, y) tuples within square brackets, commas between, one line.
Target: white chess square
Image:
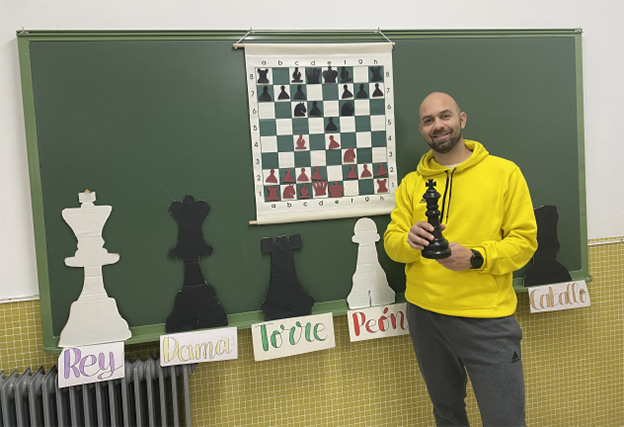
[(286, 159), (316, 125), (362, 107), (379, 154), (363, 140), (334, 173), (283, 126), (301, 142), (268, 75), (331, 108), (360, 75), (266, 110), (318, 158), (317, 186), (365, 171), (293, 109), (346, 87), (314, 92), (303, 175), (268, 144), (267, 173), (289, 192), (351, 188), (381, 186), (330, 139), (378, 123), (277, 91), (378, 88), (300, 72), (347, 124)]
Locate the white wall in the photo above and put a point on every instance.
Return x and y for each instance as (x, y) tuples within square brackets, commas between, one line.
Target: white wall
[(602, 22)]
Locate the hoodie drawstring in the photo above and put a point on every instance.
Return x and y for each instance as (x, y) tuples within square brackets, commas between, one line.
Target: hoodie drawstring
[(448, 188)]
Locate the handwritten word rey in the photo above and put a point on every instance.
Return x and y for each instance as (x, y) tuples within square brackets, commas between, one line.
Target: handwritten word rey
[(91, 364)]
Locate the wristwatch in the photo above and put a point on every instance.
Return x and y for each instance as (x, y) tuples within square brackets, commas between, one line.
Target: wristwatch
[(476, 261)]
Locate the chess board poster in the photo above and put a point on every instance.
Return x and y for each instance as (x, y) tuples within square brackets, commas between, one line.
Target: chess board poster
[(322, 130)]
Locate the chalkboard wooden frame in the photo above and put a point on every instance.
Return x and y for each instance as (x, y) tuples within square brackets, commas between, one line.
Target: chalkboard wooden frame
[(500, 105)]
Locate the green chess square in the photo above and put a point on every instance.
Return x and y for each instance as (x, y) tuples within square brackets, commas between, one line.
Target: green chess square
[(270, 161), (264, 93), (298, 90), (366, 186), (302, 159), (376, 73), (344, 110), (377, 107), (282, 110), (267, 128), (364, 155), (285, 143), (300, 126), (330, 92), (332, 124), (281, 76), (362, 124), (317, 141), (348, 140), (334, 157), (312, 109), (346, 169), (345, 74), (378, 138)]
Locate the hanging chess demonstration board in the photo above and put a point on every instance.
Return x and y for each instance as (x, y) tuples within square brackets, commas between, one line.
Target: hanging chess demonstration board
[(322, 130)]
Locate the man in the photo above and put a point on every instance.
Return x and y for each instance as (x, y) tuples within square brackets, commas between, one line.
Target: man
[(460, 309)]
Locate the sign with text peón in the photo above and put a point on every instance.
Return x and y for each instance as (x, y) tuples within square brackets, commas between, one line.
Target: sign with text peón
[(209, 345), (91, 364), (559, 296), (377, 322), (292, 336)]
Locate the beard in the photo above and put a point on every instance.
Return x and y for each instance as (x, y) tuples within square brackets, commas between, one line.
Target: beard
[(445, 146)]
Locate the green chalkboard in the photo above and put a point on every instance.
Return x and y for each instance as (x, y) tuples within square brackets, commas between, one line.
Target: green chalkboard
[(145, 118)]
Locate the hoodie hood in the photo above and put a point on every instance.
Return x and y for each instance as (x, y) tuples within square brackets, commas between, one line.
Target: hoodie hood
[(429, 167)]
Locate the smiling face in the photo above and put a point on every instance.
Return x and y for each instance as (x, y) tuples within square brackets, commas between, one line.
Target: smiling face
[(441, 122)]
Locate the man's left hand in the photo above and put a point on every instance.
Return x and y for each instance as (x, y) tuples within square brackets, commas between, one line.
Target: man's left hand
[(459, 259)]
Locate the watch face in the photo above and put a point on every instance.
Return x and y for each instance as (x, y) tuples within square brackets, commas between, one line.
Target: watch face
[(476, 261)]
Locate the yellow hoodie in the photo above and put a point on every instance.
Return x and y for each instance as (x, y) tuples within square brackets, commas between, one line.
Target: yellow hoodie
[(487, 207)]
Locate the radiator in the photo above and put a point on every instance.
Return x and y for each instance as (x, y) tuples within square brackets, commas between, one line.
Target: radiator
[(147, 395)]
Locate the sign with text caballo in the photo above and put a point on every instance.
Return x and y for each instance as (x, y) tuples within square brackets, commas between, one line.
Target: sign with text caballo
[(208, 345), (377, 322), (293, 335), (90, 364), (559, 296)]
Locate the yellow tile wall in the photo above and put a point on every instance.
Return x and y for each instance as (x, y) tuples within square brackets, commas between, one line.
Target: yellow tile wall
[(573, 359)]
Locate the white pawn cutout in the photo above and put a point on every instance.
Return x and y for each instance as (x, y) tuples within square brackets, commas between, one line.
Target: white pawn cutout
[(370, 285), (93, 317)]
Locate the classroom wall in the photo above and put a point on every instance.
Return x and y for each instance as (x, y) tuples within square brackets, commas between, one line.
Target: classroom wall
[(573, 359)]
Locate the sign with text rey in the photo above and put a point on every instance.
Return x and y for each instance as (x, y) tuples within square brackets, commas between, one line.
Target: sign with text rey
[(322, 130)]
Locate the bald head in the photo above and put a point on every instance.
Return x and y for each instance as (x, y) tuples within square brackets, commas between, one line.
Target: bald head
[(438, 101)]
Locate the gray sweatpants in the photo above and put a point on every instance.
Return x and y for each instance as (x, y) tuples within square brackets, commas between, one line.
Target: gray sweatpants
[(488, 349)]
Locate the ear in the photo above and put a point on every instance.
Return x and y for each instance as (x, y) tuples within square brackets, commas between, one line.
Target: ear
[(462, 119), (420, 128)]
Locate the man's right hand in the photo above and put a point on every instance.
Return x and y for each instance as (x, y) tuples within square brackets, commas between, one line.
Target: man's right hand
[(420, 235)]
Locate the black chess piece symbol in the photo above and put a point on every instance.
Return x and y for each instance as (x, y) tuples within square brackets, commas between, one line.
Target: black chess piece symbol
[(346, 93), (376, 74), (283, 94), (362, 93), (300, 110), (344, 75), (315, 111), (377, 91), (299, 94), (330, 75), (546, 269), (286, 297), (195, 305), (313, 75), (263, 75), (296, 75), (347, 109), (331, 125), (265, 94), (438, 248)]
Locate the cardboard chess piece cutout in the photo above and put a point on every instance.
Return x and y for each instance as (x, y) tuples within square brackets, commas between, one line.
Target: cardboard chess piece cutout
[(196, 305), (546, 269), (286, 297), (438, 248), (93, 317), (370, 285)]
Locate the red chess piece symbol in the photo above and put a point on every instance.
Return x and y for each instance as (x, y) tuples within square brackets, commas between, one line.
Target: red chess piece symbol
[(289, 192), (288, 177), (336, 190), (366, 173), (333, 143), (352, 174), (382, 186), (316, 176), (320, 188), (381, 171), (304, 194), (303, 177), (349, 155), (271, 178), (301, 143), (273, 194)]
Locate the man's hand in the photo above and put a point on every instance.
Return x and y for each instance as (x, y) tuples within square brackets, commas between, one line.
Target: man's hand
[(420, 235), (459, 259)]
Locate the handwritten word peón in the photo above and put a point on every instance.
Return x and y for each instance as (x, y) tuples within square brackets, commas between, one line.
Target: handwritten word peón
[(377, 322)]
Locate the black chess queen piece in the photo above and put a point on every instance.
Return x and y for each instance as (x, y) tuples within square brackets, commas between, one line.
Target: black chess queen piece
[(438, 247), (196, 305)]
